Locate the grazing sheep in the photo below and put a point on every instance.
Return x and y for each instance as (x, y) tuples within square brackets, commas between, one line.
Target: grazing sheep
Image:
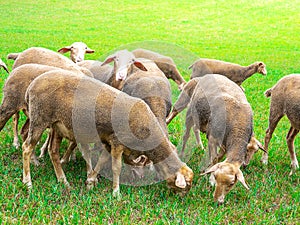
[(285, 100), (153, 87), (123, 61), (99, 71), (164, 63), (234, 72), (85, 110), (220, 109), (2, 64), (77, 51)]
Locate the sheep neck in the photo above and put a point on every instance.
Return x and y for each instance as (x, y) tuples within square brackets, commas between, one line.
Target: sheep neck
[(249, 71)]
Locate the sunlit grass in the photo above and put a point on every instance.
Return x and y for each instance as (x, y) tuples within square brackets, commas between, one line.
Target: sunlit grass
[(235, 31)]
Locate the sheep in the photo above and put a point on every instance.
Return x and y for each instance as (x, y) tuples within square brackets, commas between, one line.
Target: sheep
[(220, 109), (123, 61), (39, 55), (234, 72), (77, 51), (89, 110), (284, 101), (153, 87), (43, 56), (14, 95), (2, 64), (164, 63)]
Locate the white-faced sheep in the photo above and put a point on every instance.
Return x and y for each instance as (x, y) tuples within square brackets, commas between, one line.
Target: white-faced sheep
[(77, 51), (123, 61), (164, 63), (285, 100), (234, 72), (91, 110), (39, 55), (220, 109), (3, 65)]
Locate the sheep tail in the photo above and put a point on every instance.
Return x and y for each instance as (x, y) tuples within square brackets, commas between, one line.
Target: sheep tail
[(268, 92), (13, 56)]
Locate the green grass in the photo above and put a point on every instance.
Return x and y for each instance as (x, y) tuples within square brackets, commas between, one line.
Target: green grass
[(235, 31)]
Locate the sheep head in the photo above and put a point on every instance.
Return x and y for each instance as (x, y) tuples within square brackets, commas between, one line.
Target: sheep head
[(261, 68), (181, 181), (123, 60), (225, 175), (78, 51), (253, 146)]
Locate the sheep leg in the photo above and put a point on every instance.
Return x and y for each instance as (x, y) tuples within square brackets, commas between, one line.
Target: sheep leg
[(290, 138), (44, 148), (16, 117), (66, 156), (198, 138), (116, 153), (92, 178), (273, 121), (28, 146), (24, 135), (188, 125), (55, 141), (86, 154), (213, 151)]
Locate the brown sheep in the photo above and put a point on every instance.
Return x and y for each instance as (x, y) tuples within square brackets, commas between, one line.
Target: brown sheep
[(91, 111), (285, 98), (234, 72), (220, 109)]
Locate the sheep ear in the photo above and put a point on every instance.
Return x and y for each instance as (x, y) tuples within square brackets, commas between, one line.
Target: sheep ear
[(211, 169), (141, 159), (260, 146), (241, 178), (109, 59), (140, 65), (88, 50), (180, 181), (64, 49)]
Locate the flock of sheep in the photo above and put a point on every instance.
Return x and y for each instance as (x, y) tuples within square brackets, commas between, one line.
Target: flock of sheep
[(124, 109)]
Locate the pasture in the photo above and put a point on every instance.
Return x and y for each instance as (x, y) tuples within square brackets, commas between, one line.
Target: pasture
[(236, 31)]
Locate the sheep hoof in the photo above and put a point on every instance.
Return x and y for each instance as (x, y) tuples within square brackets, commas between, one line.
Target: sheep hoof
[(264, 159), (91, 183), (16, 144), (116, 194)]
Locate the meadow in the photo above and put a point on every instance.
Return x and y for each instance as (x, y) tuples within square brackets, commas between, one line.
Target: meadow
[(236, 31)]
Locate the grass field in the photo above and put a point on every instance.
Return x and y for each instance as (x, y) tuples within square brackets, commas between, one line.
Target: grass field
[(235, 31)]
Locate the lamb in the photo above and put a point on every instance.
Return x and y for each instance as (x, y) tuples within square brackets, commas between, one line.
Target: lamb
[(77, 51), (91, 110), (153, 87), (164, 63), (284, 101), (220, 109), (234, 72), (2, 64), (43, 56)]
